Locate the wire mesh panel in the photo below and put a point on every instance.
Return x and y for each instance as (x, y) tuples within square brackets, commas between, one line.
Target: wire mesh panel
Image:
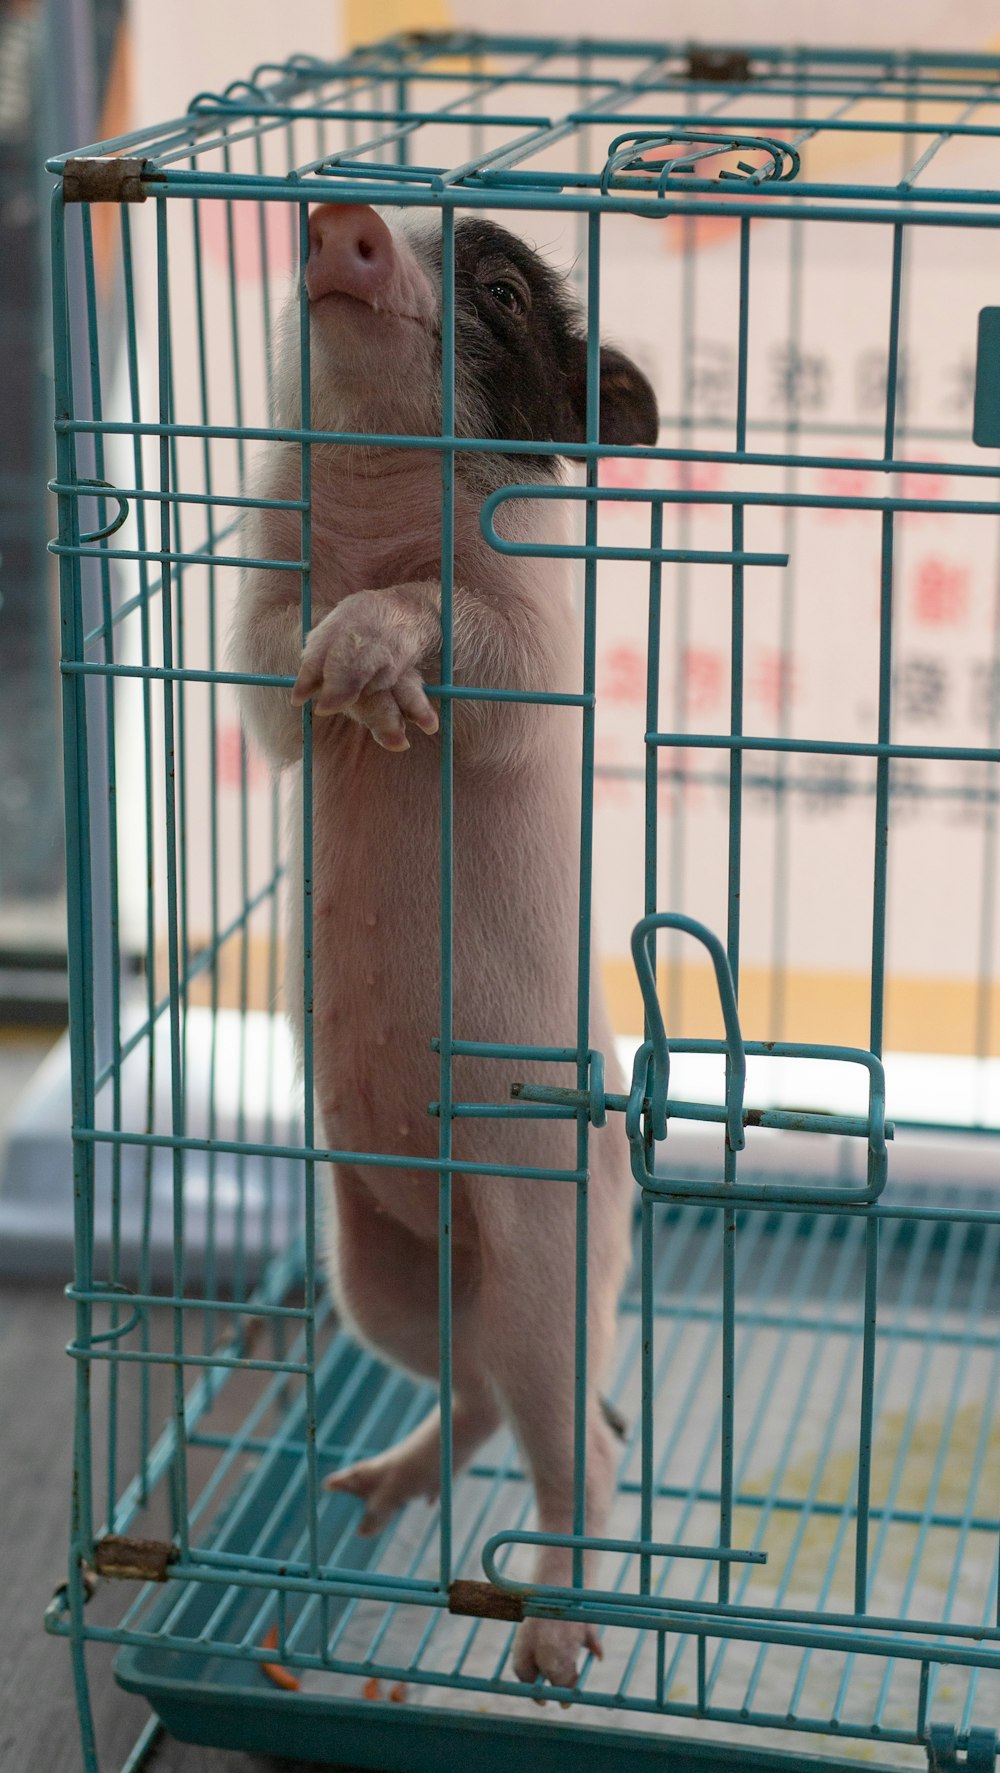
[(785, 726)]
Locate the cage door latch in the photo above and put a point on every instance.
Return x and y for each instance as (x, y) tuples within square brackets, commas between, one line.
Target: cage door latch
[(649, 1107)]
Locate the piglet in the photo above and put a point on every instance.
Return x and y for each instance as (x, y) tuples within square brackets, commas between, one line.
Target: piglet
[(374, 292)]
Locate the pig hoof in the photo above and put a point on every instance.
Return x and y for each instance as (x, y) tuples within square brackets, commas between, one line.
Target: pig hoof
[(384, 1485), (361, 660), (548, 1649)]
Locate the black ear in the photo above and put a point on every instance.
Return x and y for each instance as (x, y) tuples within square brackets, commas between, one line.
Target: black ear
[(629, 410)]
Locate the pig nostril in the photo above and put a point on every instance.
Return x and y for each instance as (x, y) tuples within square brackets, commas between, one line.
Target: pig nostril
[(351, 252)]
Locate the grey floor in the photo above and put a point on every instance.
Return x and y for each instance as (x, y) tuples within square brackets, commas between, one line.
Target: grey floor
[(38, 1728)]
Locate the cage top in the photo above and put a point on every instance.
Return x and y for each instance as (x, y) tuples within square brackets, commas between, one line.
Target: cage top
[(546, 122)]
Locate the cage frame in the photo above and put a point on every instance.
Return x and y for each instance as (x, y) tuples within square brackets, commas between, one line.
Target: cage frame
[(148, 165)]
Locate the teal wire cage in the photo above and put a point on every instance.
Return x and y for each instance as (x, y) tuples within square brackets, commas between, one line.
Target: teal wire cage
[(803, 1555)]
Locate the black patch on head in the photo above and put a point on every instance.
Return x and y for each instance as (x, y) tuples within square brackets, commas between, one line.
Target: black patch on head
[(519, 344)]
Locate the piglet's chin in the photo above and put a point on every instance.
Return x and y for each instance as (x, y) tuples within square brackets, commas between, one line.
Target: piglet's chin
[(335, 308)]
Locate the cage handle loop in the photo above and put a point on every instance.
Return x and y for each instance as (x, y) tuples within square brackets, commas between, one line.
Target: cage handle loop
[(109, 1293), (625, 154), (643, 942), (228, 100), (89, 488), (657, 1548)]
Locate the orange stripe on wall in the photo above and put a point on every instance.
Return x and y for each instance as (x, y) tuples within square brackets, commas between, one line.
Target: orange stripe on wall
[(923, 1015), (368, 21)]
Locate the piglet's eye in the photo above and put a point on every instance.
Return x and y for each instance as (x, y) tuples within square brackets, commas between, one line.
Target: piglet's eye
[(508, 296)]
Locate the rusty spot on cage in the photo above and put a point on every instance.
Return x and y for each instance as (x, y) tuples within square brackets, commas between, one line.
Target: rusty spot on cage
[(718, 64), (134, 1560), (480, 1600), (100, 179)]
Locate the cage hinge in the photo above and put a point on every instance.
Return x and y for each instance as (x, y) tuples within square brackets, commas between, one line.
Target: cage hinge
[(480, 1600), (134, 1560), (943, 1755), (102, 179), (718, 64)]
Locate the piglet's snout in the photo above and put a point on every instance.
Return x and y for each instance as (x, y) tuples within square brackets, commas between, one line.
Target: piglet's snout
[(352, 252)]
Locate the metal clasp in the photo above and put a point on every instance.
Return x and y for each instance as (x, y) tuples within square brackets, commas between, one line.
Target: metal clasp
[(648, 1108), (639, 159)]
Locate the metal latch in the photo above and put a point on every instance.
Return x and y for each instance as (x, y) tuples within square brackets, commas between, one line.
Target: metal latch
[(648, 1108)]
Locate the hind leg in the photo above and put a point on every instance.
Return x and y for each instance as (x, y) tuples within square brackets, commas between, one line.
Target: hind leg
[(386, 1281), (528, 1304)]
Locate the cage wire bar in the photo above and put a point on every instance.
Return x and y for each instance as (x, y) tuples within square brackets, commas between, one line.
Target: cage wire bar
[(845, 1594)]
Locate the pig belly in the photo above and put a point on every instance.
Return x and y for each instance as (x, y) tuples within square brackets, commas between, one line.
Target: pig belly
[(377, 975)]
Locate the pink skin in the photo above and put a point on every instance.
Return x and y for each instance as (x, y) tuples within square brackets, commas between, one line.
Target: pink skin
[(375, 640)]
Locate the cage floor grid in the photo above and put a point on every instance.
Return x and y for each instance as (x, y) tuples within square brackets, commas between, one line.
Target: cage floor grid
[(933, 1543)]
